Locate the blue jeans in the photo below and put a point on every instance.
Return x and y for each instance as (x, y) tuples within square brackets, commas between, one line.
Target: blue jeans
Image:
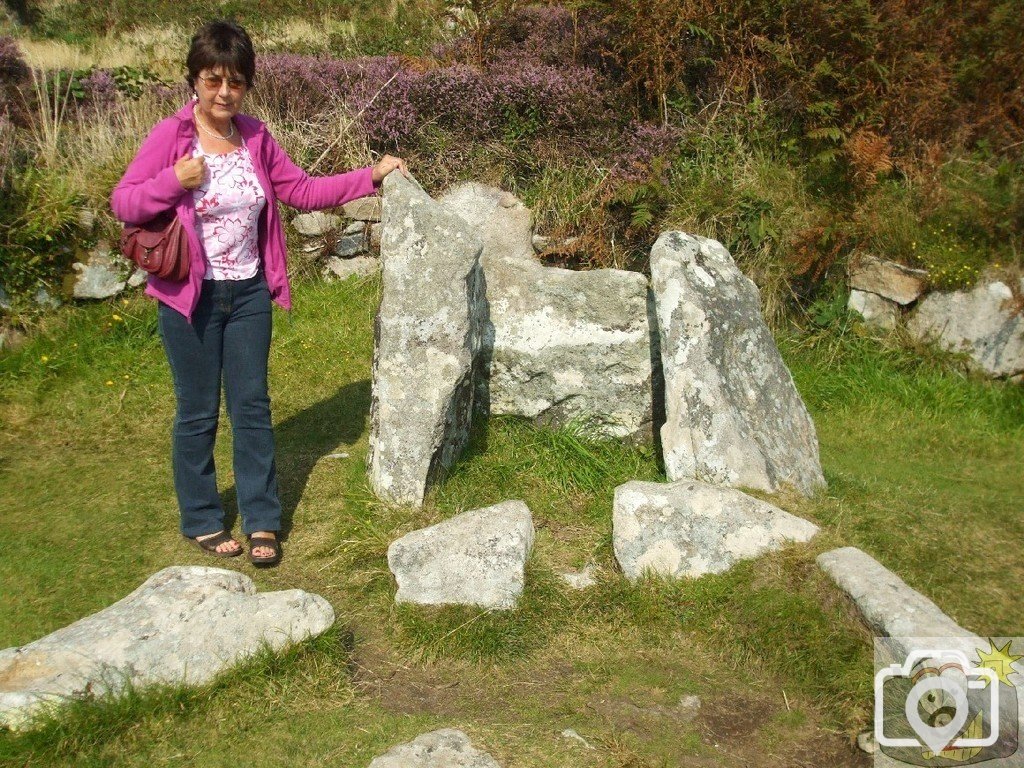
[(229, 335)]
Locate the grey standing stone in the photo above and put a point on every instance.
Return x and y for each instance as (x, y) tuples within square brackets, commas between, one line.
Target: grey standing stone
[(446, 748), (315, 223), (985, 322), (100, 277), (876, 310), (559, 345), (475, 558), (689, 529), (427, 336), (886, 278), (732, 413), (184, 625), (342, 269)]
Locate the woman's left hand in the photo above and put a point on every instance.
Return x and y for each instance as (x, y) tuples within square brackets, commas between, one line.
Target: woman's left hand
[(386, 165)]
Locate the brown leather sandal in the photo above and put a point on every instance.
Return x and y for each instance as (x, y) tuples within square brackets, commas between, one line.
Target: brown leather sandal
[(209, 545), (264, 541)]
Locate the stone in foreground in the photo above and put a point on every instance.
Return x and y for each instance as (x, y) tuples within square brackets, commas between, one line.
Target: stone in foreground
[(342, 269), (475, 558), (889, 606), (886, 278), (184, 625), (689, 528), (559, 345), (446, 748), (427, 336), (986, 322), (876, 311), (732, 413)]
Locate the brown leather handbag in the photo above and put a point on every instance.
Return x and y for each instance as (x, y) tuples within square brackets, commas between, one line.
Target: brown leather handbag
[(158, 246)]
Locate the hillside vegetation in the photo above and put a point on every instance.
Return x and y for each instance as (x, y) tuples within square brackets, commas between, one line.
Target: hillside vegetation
[(796, 132)]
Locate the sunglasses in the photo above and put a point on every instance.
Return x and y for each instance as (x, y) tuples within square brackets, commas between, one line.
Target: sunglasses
[(214, 82)]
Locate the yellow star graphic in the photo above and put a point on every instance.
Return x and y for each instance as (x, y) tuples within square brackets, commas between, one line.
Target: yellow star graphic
[(999, 660)]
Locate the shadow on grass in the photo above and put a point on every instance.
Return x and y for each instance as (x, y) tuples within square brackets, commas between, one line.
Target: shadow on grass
[(304, 439)]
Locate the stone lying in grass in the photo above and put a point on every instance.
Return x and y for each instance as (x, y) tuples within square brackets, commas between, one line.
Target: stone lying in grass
[(184, 625), (886, 279), (475, 558), (732, 413), (427, 337), (889, 606), (689, 529), (446, 748)]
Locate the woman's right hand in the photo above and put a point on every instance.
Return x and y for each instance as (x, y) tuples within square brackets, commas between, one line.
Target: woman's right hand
[(190, 171)]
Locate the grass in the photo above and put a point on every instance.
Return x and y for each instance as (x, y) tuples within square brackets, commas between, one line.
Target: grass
[(923, 468)]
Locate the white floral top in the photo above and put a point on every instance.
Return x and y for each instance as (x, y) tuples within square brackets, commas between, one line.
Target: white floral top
[(228, 206)]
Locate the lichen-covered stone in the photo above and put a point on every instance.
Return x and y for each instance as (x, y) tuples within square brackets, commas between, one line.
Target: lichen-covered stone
[(475, 558), (986, 322), (427, 335), (446, 748), (689, 529), (101, 277), (560, 345), (184, 625), (732, 413), (342, 269)]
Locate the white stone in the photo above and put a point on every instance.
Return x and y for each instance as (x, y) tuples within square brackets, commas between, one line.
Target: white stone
[(689, 529), (580, 579), (475, 558), (560, 346), (100, 277), (732, 412), (184, 625), (342, 269), (984, 322), (446, 748), (877, 311), (138, 277), (427, 338)]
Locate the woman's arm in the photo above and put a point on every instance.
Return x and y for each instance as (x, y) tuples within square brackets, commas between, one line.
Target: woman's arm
[(149, 186), (296, 188)]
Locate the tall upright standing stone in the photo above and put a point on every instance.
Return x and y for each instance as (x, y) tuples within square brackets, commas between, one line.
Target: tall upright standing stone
[(732, 413), (427, 334)]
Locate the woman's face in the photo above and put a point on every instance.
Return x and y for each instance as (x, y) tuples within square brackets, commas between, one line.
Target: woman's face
[(220, 93)]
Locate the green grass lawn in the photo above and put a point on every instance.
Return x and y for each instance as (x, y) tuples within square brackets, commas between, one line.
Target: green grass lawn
[(923, 465)]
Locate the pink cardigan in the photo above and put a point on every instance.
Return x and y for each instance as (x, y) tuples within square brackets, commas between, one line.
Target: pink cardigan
[(150, 186)]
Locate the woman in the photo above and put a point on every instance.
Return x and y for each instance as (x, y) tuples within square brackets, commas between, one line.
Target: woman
[(222, 173)]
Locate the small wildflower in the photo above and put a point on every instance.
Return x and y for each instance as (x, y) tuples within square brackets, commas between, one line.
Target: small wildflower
[(110, 383), (44, 359), (124, 302), (127, 376), (117, 317)]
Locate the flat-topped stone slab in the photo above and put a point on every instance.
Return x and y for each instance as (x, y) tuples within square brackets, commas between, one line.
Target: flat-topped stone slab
[(184, 625), (475, 558), (689, 528)]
